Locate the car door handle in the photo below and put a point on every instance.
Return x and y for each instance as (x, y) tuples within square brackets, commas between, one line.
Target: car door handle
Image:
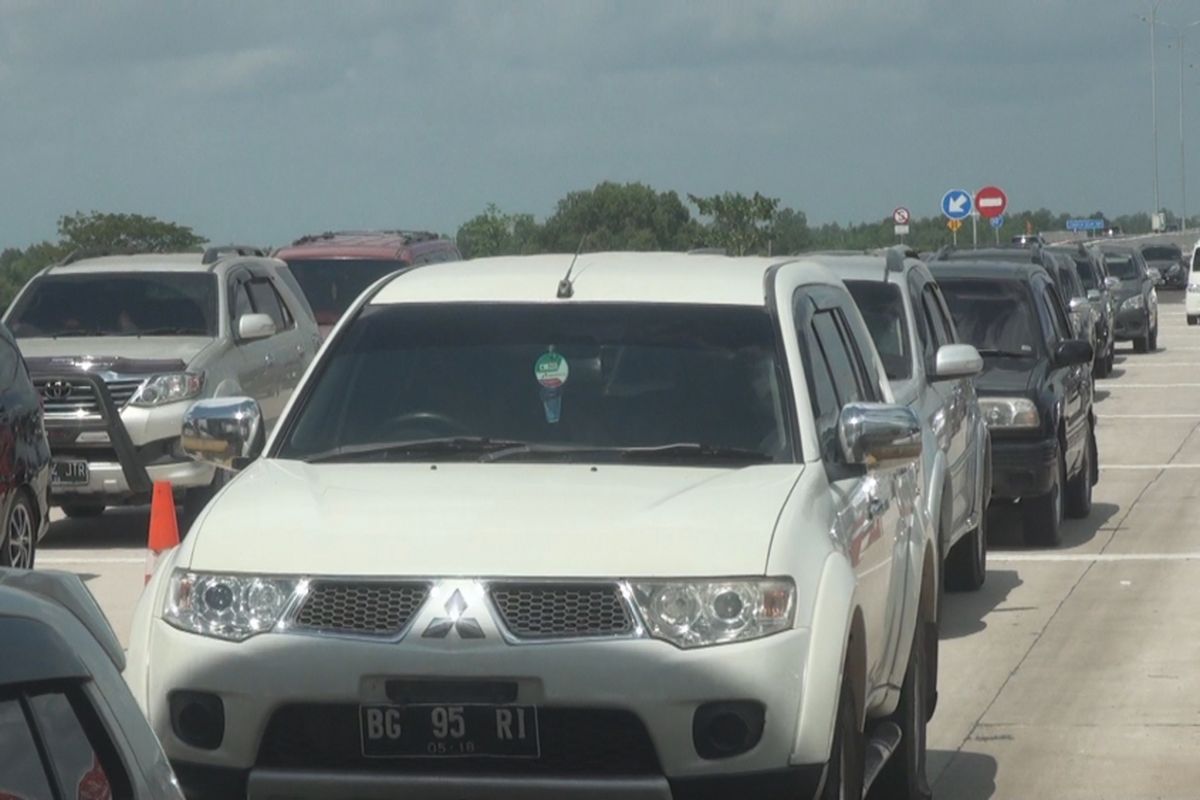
[(267, 358)]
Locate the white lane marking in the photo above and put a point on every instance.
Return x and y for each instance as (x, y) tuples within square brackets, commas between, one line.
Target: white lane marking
[(1138, 365), (1150, 466), (43, 560), (1148, 416), (1090, 557)]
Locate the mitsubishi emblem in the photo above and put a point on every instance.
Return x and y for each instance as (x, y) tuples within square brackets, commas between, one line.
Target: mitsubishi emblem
[(467, 627)]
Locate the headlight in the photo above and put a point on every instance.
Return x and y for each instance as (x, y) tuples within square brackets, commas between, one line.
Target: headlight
[(172, 387), (1133, 303), (698, 613), (233, 607), (1193, 288), (1009, 412)]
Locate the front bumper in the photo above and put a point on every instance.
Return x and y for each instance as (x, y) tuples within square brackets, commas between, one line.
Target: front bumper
[(1022, 468), (294, 732), (1131, 324)]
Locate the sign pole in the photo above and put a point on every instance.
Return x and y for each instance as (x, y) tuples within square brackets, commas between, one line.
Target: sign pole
[(974, 230)]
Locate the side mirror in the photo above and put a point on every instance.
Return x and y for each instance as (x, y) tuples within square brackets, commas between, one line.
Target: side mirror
[(1154, 274), (877, 436), (1094, 294), (1111, 282), (956, 361), (1073, 351), (1078, 304), (225, 431), (255, 326)]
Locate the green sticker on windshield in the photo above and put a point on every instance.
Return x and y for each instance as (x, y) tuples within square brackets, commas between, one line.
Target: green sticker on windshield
[(551, 370)]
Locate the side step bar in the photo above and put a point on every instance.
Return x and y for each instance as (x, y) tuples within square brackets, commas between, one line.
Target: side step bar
[(885, 738)]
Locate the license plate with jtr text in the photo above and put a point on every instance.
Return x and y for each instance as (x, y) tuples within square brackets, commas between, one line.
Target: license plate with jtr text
[(68, 472), (449, 731)]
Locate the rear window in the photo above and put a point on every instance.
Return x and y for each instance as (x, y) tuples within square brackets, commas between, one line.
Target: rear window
[(1162, 253), (882, 307), (1121, 266), (997, 316), (1086, 273), (332, 285), (118, 304)]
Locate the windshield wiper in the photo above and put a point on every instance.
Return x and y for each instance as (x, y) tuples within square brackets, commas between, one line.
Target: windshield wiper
[(992, 351), (79, 332), (167, 332), (698, 450), (410, 447)]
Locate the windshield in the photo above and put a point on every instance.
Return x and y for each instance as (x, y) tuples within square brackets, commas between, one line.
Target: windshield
[(332, 285), (996, 316), (882, 308), (1161, 253), (1121, 266), (572, 376), (118, 304)]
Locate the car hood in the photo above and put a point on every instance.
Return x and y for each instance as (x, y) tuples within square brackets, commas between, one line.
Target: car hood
[(571, 520), (1007, 376), (1126, 289), (121, 354), (1163, 266)]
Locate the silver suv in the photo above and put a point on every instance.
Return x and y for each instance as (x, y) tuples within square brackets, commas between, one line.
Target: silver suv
[(120, 346), (930, 371)]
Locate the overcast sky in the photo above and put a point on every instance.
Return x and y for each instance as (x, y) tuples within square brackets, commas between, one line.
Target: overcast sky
[(263, 121)]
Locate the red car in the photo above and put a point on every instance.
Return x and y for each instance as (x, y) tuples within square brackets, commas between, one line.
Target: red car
[(334, 268)]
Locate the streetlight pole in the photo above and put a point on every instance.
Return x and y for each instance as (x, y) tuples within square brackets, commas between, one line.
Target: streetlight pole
[(1182, 30), (1153, 20)]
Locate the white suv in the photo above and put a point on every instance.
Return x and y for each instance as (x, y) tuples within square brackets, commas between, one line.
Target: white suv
[(644, 525)]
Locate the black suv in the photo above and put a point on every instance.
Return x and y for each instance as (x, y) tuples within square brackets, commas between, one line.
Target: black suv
[(1134, 297), (24, 460), (1089, 265), (1168, 259), (1035, 391)]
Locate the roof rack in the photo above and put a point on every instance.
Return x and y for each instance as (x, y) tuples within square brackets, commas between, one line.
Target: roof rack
[(409, 237), (214, 254)]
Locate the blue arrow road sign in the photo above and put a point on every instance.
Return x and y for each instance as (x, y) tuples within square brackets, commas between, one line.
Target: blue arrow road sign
[(956, 204), (998, 222), (1085, 224)]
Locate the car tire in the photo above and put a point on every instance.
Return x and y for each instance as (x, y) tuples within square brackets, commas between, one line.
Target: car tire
[(966, 567), (904, 776), (1193, 319), (1100, 368), (847, 758), (1042, 516), (18, 533), (1152, 340), (83, 510), (1079, 488), (1110, 360), (1141, 344)]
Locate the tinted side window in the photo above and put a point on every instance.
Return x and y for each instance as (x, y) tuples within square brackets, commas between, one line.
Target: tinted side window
[(861, 349), (22, 773), (846, 380), (266, 301), (935, 317), (823, 395), (1055, 325), (76, 762), (241, 302), (9, 361)]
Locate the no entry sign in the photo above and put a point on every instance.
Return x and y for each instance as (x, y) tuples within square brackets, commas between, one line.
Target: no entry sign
[(990, 201)]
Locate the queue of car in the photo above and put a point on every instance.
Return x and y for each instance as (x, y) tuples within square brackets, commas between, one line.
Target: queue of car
[(638, 524)]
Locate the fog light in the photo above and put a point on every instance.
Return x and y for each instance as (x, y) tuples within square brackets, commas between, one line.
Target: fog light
[(197, 718), (722, 730)]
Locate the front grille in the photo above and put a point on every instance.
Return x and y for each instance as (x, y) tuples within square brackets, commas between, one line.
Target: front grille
[(561, 610), (78, 398), (372, 608), (574, 741)]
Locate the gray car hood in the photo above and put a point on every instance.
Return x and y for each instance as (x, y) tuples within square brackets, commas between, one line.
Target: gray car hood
[(120, 354)]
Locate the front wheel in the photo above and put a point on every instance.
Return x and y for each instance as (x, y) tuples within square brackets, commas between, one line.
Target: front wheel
[(1193, 319), (1043, 515), (966, 568), (1079, 488), (904, 777), (847, 759), (1152, 342), (18, 533)]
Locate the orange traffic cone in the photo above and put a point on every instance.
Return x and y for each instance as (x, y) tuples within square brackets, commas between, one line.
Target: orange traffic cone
[(164, 527)]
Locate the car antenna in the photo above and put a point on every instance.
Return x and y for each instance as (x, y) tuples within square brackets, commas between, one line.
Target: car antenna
[(566, 289)]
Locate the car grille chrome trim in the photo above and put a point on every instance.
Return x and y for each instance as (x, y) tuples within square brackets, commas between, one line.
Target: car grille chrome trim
[(545, 610), (359, 607), (67, 398)]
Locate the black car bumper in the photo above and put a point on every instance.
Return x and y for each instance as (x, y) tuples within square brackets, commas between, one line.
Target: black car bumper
[(1022, 468), (1132, 324)]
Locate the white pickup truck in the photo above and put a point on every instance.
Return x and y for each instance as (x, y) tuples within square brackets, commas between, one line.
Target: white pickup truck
[(634, 525)]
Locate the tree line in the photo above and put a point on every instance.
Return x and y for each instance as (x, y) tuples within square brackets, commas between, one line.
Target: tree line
[(609, 216)]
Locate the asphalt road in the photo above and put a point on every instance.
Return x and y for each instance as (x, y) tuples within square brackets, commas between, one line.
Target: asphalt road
[(1074, 673)]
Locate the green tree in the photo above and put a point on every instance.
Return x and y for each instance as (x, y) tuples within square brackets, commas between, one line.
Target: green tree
[(494, 233), (789, 232), (125, 232), (614, 216), (740, 224)]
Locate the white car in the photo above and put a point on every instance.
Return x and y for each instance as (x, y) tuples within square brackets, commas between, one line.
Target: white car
[(1192, 298), (69, 727), (636, 525)]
